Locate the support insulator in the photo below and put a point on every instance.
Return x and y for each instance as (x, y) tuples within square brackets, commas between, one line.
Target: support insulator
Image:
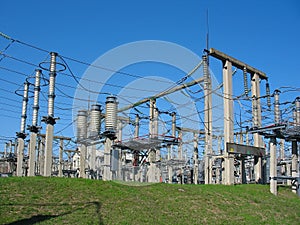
[(255, 112), (205, 72), (137, 126), (111, 116), (173, 124), (52, 75), (81, 125), (277, 115), (24, 107), (95, 120), (268, 95), (246, 90), (297, 103), (36, 97)]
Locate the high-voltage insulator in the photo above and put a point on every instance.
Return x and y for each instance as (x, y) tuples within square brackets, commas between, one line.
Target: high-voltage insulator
[(277, 116), (245, 81), (255, 112), (268, 95), (95, 120), (24, 108), (81, 125), (111, 114), (36, 97), (52, 76), (205, 71), (137, 126), (297, 103)]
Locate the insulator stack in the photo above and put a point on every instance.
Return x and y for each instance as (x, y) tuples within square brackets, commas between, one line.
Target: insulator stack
[(137, 126), (276, 107), (24, 108), (111, 114), (205, 72), (255, 112), (246, 90), (36, 97), (268, 95), (81, 125), (297, 102), (52, 76), (173, 124), (294, 117), (95, 120)]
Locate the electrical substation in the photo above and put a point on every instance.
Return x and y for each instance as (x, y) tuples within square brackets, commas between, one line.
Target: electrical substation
[(143, 142)]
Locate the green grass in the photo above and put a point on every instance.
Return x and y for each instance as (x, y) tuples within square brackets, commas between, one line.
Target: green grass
[(41, 200)]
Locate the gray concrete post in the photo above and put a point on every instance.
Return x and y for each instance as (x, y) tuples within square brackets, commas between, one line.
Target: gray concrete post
[(228, 122), (273, 166)]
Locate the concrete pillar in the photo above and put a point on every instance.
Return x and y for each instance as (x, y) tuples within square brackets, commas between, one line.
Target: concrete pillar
[(60, 160), (170, 169), (207, 120), (273, 166), (228, 122), (295, 166), (41, 154), (82, 149), (20, 156), (256, 110), (196, 163), (107, 174), (32, 154)]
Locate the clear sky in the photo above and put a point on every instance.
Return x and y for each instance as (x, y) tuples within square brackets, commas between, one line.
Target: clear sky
[(264, 34)]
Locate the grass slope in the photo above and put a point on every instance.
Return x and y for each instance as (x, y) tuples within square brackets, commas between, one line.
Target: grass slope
[(29, 200)]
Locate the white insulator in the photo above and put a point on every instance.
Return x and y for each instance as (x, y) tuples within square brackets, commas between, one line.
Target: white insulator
[(95, 120), (255, 112), (205, 72), (297, 102), (52, 76), (276, 107), (36, 97), (81, 124), (137, 126), (24, 107), (173, 124), (111, 114)]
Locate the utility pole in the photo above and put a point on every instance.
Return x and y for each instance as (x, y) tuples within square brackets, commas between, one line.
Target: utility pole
[(34, 129), (50, 120)]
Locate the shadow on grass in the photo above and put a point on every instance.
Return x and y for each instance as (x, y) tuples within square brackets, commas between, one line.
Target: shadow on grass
[(41, 218)]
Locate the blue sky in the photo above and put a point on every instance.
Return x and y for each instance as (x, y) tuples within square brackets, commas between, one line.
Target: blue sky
[(264, 34)]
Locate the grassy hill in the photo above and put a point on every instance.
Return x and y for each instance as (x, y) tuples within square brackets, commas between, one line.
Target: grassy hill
[(30, 200)]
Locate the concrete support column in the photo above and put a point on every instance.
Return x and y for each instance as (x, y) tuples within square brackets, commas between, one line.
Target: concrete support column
[(107, 174), (170, 169), (196, 163), (32, 154), (207, 120), (256, 110), (20, 156), (228, 122), (41, 158), (295, 166), (60, 159), (273, 166), (82, 160)]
